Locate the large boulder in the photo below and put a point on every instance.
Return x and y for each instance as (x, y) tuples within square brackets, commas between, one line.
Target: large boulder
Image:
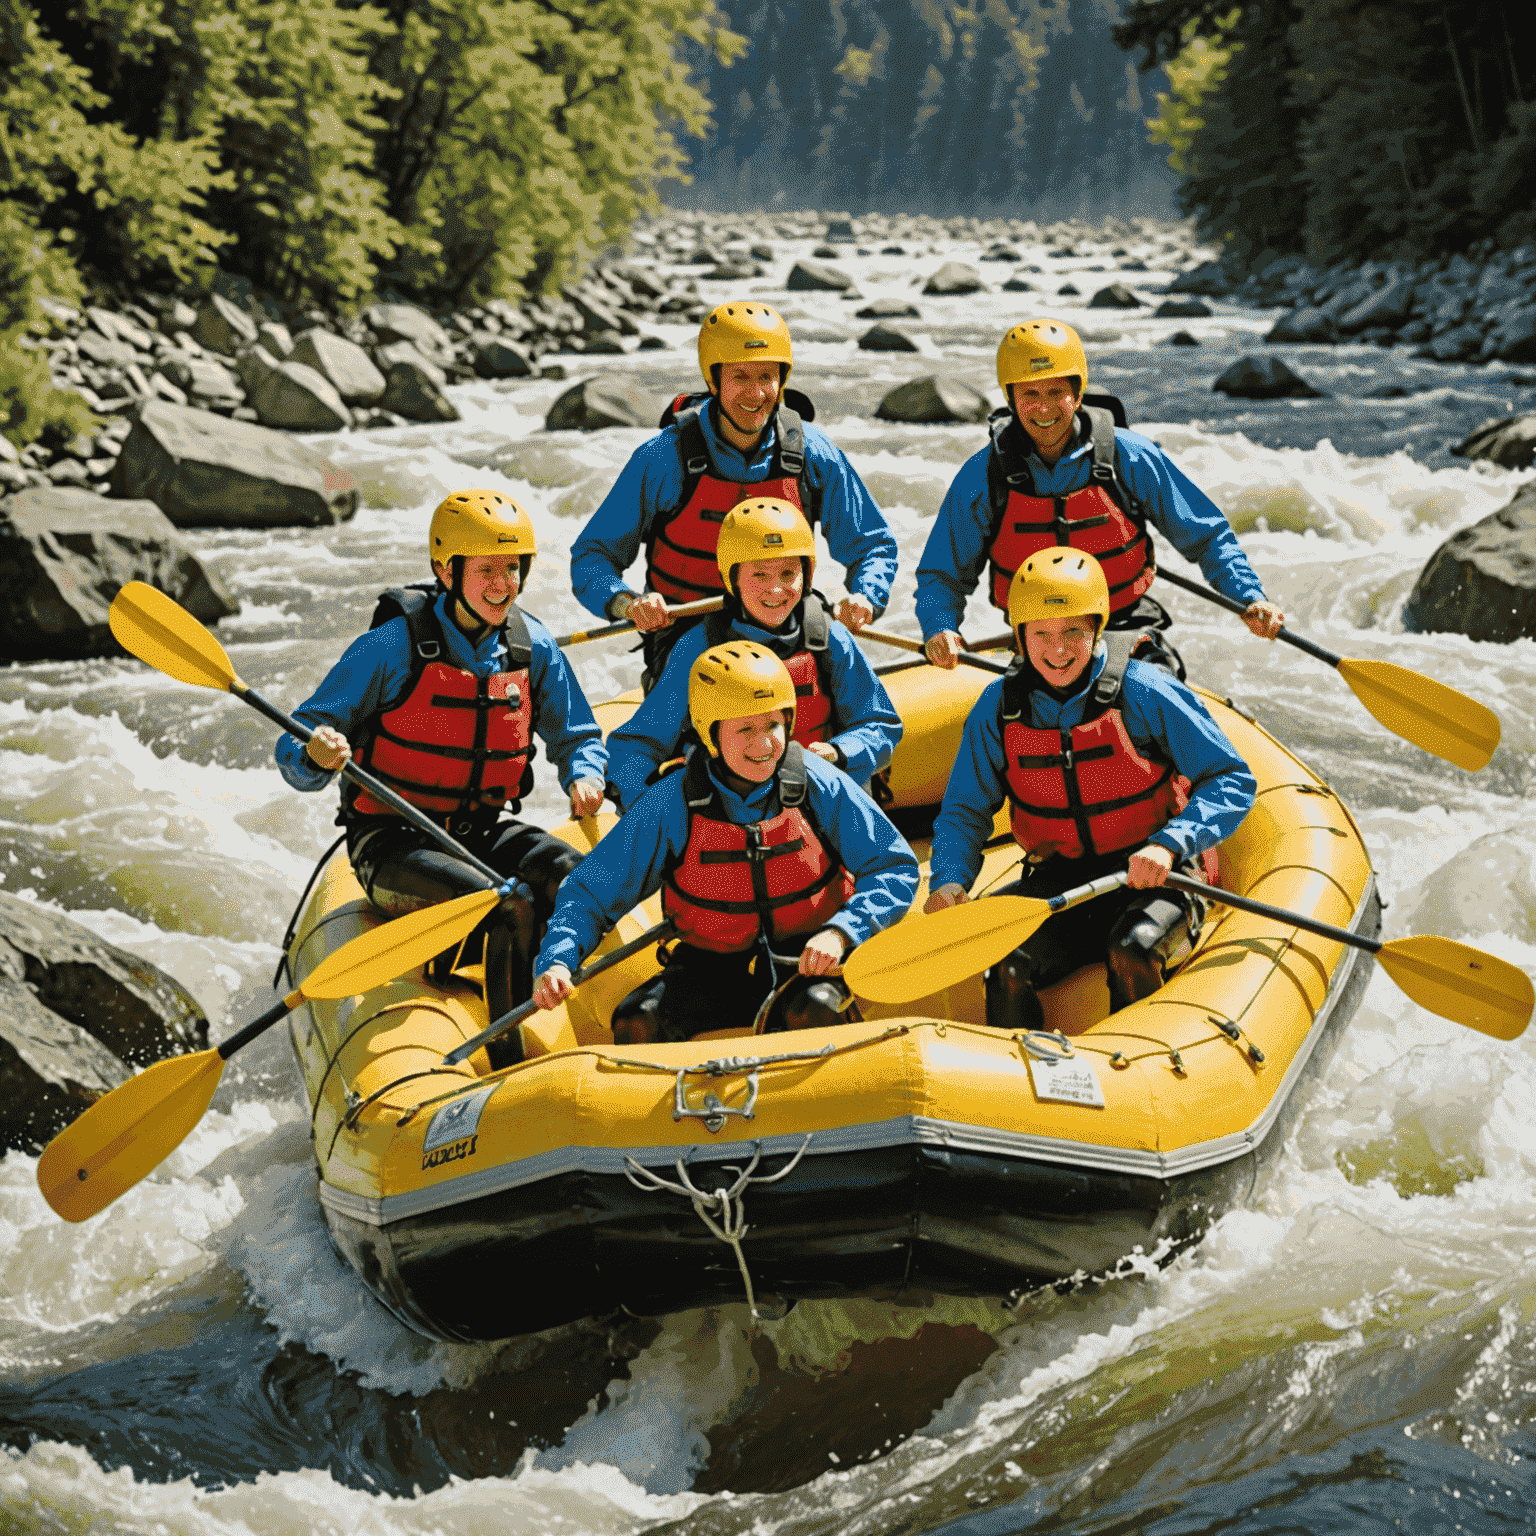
[(1506, 440), (393, 352), (1514, 338), (888, 309), (1460, 344), (202, 470), (597, 403), (1308, 323), (404, 322), (1264, 378), (886, 338), (1116, 296), (296, 398), (65, 554), (933, 399), (343, 363), (75, 1014), (1209, 279), (1482, 581), (496, 357), (415, 389), (1182, 309), (200, 379), (1388, 306), (223, 327), (815, 276), (954, 277)]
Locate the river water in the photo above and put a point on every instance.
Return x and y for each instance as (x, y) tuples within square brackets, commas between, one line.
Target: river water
[(1354, 1350)]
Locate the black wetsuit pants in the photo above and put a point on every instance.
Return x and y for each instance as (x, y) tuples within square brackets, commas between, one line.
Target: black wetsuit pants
[(1138, 935), (403, 869)]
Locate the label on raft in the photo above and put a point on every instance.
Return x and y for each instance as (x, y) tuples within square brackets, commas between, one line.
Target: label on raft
[(1067, 1080), (457, 1121)]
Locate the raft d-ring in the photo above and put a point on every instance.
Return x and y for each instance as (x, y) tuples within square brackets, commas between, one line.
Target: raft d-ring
[(1045, 1044), (714, 1111)]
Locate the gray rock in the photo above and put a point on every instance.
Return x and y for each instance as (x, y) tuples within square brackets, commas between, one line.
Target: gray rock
[(1507, 440), (888, 309), (404, 322), (1182, 339), (207, 383), (761, 251), (222, 327), (73, 1010), (814, 277), (298, 399), (1182, 309), (1482, 581), (118, 328), (737, 271), (1017, 284), (104, 352), (886, 338), (1514, 339), (1001, 253), (840, 229), (1264, 378), (594, 404), (342, 363), (1208, 279), (404, 352), (253, 365), (275, 338), (415, 389), (954, 277), (202, 470), (598, 315), (1069, 289), (497, 358), (161, 388), (1388, 306), (933, 399), (1307, 324), (1116, 296), (176, 317), (1455, 346)]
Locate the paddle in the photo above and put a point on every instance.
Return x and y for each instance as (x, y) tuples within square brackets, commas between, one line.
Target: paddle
[(683, 611), (1455, 981), (131, 1130), (904, 643), (500, 1026), (1417, 708), (158, 630)]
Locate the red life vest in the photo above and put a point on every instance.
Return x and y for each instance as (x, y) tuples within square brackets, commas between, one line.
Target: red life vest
[(1103, 519), (1087, 790), (680, 550), (777, 878), (809, 668), (454, 744)]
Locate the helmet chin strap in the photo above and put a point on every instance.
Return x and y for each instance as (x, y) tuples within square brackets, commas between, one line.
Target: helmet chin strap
[(476, 626)]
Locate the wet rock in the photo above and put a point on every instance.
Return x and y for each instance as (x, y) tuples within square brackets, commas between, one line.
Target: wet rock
[(735, 271), (65, 553), (1508, 440), (1482, 581), (275, 338), (886, 338), (223, 327), (298, 399), (1264, 378), (1182, 339), (404, 352), (840, 229), (954, 277), (202, 470), (888, 309), (761, 251), (404, 322), (1461, 344), (105, 352), (1182, 309), (893, 250), (1017, 284), (253, 365), (594, 404), (203, 381), (497, 358), (1116, 296), (75, 1014), (415, 388), (607, 344), (342, 363), (1514, 338), (1000, 253), (1306, 324), (1209, 279), (814, 277), (1388, 306), (1069, 289), (934, 399)]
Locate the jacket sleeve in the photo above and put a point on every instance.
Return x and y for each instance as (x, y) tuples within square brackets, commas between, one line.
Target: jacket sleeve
[(1187, 517), (563, 718), (883, 867), (857, 534), (1159, 709), (868, 727), (975, 790), (614, 535), (369, 675), (652, 734), (955, 555), (617, 875)]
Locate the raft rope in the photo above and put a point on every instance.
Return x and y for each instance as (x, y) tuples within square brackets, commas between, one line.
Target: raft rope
[(730, 1203)]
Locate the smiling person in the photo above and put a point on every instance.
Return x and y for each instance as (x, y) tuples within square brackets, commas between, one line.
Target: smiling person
[(766, 557), (760, 851), (441, 699), (1060, 473), (715, 450), (1109, 764)]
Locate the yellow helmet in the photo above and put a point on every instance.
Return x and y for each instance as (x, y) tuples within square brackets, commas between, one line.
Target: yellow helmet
[(1057, 584), (1041, 349), (743, 333), (736, 679), (761, 529), (481, 523)]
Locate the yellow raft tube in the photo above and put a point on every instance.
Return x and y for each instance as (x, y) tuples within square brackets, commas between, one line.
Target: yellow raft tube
[(900, 1156)]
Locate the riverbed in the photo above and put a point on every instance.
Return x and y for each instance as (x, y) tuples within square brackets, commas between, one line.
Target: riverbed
[(1352, 1350)]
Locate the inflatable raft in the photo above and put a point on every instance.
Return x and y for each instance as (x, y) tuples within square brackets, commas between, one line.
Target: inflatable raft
[(913, 1153)]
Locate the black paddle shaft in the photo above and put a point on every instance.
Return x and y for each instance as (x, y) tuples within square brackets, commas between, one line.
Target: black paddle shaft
[(1263, 909), (1231, 604)]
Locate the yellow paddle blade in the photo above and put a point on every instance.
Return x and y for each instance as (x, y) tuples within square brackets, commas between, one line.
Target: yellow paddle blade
[(126, 1134), (396, 947), (1427, 713), (922, 954), (157, 629), (1466, 985)]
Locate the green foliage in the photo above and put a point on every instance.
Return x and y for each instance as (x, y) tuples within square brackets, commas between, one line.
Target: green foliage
[(30, 407), (1198, 69)]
